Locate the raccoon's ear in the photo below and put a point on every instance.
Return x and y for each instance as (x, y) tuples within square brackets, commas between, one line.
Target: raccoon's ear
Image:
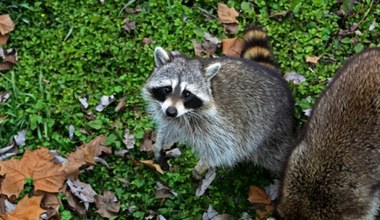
[(161, 57), (212, 70)]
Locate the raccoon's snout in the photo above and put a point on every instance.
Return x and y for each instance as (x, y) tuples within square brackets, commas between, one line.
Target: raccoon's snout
[(171, 112)]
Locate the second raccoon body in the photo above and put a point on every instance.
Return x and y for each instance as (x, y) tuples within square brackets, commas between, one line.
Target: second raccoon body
[(228, 109), (334, 171)]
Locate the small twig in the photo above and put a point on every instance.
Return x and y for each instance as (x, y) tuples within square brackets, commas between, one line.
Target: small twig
[(126, 6), (365, 15)]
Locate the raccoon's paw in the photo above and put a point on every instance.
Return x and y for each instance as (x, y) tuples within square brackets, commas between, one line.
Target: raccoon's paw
[(163, 163)]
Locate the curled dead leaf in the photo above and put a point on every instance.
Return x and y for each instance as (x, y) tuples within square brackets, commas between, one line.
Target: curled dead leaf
[(4, 39), (27, 208), (312, 59), (150, 164), (227, 15), (6, 24), (257, 195), (232, 46), (107, 204)]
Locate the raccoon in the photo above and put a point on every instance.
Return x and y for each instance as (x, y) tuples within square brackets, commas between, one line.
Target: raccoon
[(227, 109), (334, 170)]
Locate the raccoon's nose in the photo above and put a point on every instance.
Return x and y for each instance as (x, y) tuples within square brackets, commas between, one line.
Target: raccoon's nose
[(171, 111)]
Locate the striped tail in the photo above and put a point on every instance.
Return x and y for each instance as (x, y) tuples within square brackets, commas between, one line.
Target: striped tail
[(256, 47)]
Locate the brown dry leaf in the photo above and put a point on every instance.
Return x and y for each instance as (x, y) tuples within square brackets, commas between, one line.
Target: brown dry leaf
[(257, 195), (5, 66), (153, 166), (82, 156), (98, 144), (82, 191), (2, 118), (39, 165), (107, 204), (4, 39), (26, 209), (312, 59), (147, 41), (129, 25), (232, 46), (120, 105), (227, 15), (147, 144), (6, 24), (264, 213), (231, 28), (73, 201), (85, 156)]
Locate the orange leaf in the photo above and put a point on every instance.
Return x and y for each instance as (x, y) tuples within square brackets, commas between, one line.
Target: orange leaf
[(312, 59), (85, 156), (4, 39), (227, 15), (6, 24), (153, 166), (232, 46), (258, 196), (26, 209), (39, 165)]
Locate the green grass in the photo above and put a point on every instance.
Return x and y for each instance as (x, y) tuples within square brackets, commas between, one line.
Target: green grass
[(70, 49)]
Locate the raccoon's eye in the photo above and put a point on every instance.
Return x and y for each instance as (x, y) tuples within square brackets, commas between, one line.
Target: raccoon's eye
[(167, 89), (187, 94)]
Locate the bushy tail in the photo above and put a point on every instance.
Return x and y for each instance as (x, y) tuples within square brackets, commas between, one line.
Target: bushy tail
[(256, 47)]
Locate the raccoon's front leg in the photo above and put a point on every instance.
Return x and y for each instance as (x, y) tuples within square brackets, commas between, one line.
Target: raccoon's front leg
[(164, 139)]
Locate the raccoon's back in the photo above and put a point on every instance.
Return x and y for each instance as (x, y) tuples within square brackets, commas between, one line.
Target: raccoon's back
[(247, 92), (335, 170)]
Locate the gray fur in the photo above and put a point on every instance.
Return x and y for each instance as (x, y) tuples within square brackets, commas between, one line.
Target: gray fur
[(334, 171), (247, 112)]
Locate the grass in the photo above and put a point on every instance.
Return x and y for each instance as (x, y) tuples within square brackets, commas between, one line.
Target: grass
[(70, 49)]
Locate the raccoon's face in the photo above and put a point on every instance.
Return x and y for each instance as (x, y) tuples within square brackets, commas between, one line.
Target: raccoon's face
[(179, 85)]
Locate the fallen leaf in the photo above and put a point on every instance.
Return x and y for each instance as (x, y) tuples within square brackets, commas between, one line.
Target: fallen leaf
[(257, 195), (153, 166), (212, 214), (120, 105), (173, 153), (5, 66), (82, 191), (373, 25), (39, 165), (273, 189), (205, 183), (120, 153), (129, 140), (163, 192), (147, 144), (107, 204), (4, 39), (278, 15), (81, 157), (231, 28), (227, 15), (26, 209), (84, 155), (232, 46), (20, 138), (83, 102), (208, 47), (50, 200), (294, 77), (148, 41), (2, 118), (312, 59), (104, 102), (71, 131), (129, 25), (74, 202), (4, 96), (307, 112), (6, 24)]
